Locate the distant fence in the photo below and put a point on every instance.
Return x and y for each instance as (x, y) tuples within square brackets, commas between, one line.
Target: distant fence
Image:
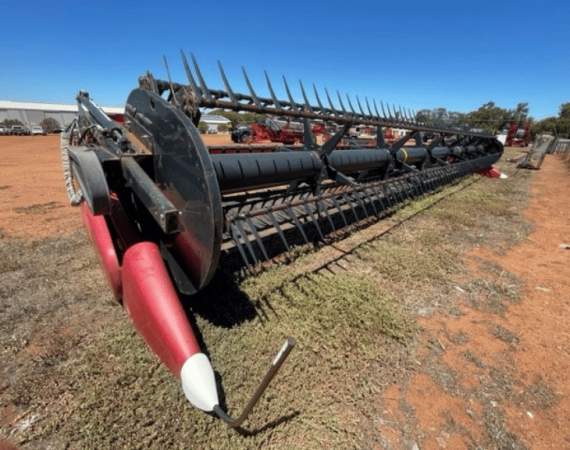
[(561, 146), (545, 144)]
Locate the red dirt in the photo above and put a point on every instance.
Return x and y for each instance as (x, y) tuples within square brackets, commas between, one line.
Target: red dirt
[(33, 199), (534, 401), (32, 194)]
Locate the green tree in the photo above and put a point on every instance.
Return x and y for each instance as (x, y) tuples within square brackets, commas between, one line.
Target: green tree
[(489, 117), (564, 111), (238, 118), (521, 111), (442, 117), (558, 126), (50, 125), (10, 122)]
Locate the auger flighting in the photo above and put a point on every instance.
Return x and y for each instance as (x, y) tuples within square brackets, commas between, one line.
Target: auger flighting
[(164, 212)]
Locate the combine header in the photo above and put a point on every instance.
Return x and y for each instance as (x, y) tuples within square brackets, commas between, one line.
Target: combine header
[(164, 212)]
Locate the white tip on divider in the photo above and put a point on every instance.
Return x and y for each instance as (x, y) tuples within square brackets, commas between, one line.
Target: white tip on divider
[(199, 382)]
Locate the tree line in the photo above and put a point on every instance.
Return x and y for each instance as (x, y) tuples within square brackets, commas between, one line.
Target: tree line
[(492, 118), (488, 117), (49, 124)]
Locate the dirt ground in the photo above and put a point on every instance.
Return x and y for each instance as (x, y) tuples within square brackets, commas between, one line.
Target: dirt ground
[(443, 326), (31, 186), (506, 369)]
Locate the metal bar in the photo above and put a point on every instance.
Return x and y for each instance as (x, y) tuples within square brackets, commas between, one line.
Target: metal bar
[(215, 99), (161, 209), (273, 369)]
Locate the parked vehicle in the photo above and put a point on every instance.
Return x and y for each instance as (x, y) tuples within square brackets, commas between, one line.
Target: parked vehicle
[(19, 130), (37, 130), (3, 131)]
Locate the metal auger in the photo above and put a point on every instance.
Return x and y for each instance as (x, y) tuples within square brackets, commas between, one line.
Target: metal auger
[(164, 210)]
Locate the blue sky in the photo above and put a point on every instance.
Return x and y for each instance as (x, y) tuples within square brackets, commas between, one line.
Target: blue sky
[(416, 53)]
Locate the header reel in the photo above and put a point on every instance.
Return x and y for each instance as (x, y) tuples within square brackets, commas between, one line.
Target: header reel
[(164, 211)]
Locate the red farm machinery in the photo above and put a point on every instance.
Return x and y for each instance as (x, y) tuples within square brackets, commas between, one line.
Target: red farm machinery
[(518, 134), (269, 130), (164, 212)]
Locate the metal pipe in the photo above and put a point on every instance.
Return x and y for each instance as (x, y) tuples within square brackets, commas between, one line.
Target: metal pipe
[(242, 171)]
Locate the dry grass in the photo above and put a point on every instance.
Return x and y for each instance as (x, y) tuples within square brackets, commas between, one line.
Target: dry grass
[(354, 321)]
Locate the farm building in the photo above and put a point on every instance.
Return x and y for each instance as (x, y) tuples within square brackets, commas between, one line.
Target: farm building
[(31, 113), (214, 122)]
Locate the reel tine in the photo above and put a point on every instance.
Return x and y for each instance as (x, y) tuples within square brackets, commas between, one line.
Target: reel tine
[(391, 112), (322, 206), (257, 237), (360, 200), (250, 87), (403, 111), (279, 230), (395, 113), (318, 98), (376, 109), (389, 116), (340, 101), (247, 241), (330, 101), (402, 114), (293, 104), (174, 99), (315, 222), (189, 75), (227, 84), (350, 104), (339, 209), (205, 91), (368, 107), (297, 223), (360, 106), (271, 91), (349, 202), (307, 104), (236, 238)]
